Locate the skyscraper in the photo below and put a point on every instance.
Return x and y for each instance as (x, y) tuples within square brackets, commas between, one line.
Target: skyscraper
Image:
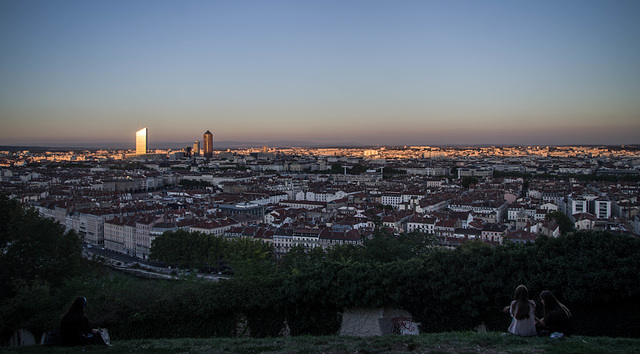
[(207, 142), (196, 148), (142, 136)]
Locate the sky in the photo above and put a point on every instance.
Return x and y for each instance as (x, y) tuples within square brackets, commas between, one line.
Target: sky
[(371, 72)]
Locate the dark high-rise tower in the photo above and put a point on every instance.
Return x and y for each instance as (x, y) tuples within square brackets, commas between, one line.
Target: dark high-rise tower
[(207, 144)]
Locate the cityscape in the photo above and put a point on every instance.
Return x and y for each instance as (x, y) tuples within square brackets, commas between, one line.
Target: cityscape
[(121, 200), (264, 169)]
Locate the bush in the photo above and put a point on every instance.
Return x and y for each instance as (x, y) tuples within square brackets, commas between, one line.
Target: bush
[(457, 290)]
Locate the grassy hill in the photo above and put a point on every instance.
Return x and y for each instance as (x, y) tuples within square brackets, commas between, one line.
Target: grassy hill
[(465, 342)]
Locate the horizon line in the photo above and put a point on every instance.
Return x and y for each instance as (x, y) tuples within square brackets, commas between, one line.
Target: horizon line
[(285, 144)]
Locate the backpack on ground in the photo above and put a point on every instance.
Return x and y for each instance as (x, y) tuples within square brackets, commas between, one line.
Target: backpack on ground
[(53, 338)]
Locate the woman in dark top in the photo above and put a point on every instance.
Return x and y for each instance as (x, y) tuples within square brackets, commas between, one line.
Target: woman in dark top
[(74, 326), (557, 317)]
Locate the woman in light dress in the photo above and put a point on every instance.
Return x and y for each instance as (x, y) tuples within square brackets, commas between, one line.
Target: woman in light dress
[(522, 310)]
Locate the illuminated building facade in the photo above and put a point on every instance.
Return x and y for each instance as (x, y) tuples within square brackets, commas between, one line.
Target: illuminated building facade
[(142, 137), (196, 148), (207, 144)]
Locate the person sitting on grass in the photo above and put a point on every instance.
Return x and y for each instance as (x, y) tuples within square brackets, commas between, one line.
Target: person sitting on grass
[(522, 313), (557, 317), (75, 328)]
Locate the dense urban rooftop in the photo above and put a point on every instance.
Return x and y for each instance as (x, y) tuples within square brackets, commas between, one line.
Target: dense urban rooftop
[(319, 197)]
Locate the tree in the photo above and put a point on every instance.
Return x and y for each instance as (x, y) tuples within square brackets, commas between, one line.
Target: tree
[(203, 251), (193, 184), (469, 180), (299, 259), (385, 247), (388, 172), (357, 169), (251, 257), (33, 248), (562, 220), (347, 253), (418, 243)]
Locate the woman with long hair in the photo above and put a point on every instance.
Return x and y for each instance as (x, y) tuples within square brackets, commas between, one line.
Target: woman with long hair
[(557, 317), (522, 310), (74, 325)]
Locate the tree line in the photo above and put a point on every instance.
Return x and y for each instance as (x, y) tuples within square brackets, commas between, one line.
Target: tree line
[(206, 252)]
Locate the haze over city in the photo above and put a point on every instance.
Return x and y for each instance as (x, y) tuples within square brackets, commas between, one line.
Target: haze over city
[(332, 72)]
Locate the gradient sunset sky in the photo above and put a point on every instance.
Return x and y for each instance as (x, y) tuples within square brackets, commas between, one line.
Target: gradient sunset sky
[(374, 72)]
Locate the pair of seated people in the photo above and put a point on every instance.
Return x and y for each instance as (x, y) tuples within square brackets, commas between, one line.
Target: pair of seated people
[(556, 319)]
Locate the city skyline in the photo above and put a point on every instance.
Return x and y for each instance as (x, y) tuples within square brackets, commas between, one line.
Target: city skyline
[(365, 72)]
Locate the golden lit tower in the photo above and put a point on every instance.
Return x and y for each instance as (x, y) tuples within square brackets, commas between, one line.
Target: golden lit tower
[(196, 148), (142, 137), (207, 144)]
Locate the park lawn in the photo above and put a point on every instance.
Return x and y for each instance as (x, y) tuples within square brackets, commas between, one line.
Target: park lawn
[(452, 342)]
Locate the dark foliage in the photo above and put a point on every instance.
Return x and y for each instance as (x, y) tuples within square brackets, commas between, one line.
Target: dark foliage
[(192, 184), (34, 249), (562, 220), (566, 177), (468, 180), (594, 273), (389, 172), (457, 290), (196, 250)]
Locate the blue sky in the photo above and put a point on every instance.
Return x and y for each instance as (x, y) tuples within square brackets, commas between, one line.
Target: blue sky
[(373, 72)]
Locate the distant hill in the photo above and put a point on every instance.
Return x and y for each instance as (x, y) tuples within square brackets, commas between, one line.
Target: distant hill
[(176, 145), (278, 143), (14, 148), (231, 144)]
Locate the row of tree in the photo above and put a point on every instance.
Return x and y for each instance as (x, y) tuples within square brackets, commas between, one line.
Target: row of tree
[(205, 252), (579, 177), (359, 169)]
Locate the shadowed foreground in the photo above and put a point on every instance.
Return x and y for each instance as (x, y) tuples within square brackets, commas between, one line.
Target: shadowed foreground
[(492, 342)]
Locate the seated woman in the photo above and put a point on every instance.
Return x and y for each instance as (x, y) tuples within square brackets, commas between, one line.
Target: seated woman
[(557, 317), (522, 311), (75, 328)]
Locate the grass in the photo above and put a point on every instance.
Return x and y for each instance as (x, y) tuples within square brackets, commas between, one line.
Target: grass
[(457, 342)]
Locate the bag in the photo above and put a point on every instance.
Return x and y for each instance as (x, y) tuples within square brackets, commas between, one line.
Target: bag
[(105, 336), (556, 335), (53, 338)]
